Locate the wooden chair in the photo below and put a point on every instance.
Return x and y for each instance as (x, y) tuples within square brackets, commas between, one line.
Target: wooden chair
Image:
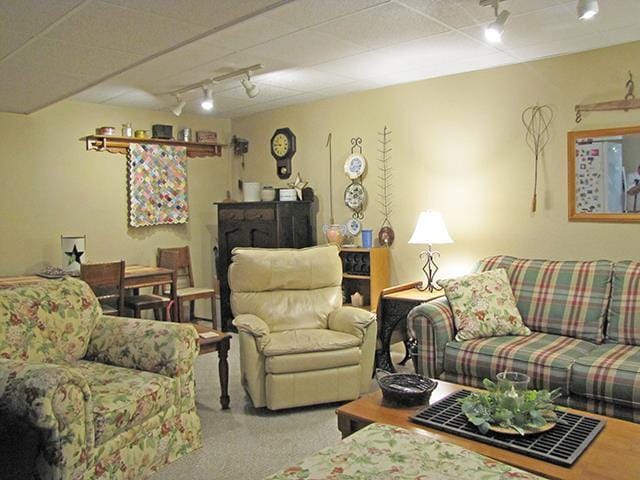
[(159, 304), (179, 259), (107, 282)]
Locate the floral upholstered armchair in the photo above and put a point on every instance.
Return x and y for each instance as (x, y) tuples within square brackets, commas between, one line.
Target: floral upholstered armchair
[(110, 397)]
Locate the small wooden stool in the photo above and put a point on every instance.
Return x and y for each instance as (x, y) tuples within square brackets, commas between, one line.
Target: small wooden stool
[(212, 341)]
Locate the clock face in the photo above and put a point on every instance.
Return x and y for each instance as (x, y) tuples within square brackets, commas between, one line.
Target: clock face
[(355, 197), (280, 144)]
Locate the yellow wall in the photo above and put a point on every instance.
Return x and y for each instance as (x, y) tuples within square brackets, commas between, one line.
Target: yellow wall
[(50, 185), (458, 147)]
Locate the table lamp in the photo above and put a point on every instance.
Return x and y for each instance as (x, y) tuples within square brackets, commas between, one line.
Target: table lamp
[(430, 230)]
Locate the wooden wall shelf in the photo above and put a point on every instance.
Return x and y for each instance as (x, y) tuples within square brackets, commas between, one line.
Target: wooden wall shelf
[(113, 144)]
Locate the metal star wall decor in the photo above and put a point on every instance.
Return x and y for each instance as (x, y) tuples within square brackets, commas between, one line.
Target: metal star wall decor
[(298, 184), (74, 255)]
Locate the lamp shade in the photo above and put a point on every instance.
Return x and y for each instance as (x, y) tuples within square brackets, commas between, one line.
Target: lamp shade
[(430, 229)]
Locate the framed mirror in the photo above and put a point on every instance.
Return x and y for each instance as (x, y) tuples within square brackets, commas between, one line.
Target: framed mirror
[(604, 175)]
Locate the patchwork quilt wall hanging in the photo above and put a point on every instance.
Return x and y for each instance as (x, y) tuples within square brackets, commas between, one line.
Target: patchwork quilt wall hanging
[(157, 185)]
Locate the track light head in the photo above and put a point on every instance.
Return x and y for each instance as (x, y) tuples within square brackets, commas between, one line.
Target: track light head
[(587, 9), (207, 100), (180, 104), (493, 32), (250, 88)]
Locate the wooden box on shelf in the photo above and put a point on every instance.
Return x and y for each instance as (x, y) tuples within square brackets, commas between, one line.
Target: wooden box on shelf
[(366, 271)]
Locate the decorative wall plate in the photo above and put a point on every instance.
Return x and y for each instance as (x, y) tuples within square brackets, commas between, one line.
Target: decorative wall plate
[(355, 165), (354, 226), (355, 197)]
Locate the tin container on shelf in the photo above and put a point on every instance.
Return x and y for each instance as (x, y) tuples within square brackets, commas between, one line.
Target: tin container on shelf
[(185, 135), (205, 136)]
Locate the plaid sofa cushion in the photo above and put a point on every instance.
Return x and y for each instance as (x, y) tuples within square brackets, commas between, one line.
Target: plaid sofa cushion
[(609, 373), (624, 308), (563, 298), (546, 358)]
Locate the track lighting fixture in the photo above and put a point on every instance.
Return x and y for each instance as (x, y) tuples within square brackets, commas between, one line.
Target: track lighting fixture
[(177, 110), (493, 32), (587, 9), (250, 88), (207, 100), (206, 85)]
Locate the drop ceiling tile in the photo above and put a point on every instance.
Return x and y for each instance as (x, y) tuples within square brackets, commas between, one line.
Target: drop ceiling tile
[(381, 26), (21, 20), (305, 13), (622, 35), (550, 24), (559, 47), (48, 55), (477, 62), (355, 86), (301, 79), (445, 11), (140, 99), (110, 26), (199, 12), (306, 47), (444, 48), (101, 92), (220, 66), (182, 59), (24, 89), (365, 66), (251, 32)]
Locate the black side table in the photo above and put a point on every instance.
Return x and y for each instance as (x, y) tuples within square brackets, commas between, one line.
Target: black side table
[(394, 306)]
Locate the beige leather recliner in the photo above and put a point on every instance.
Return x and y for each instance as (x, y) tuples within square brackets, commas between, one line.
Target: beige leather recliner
[(298, 344)]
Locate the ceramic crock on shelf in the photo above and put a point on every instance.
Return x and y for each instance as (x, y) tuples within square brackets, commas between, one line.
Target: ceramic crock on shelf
[(335, 233)]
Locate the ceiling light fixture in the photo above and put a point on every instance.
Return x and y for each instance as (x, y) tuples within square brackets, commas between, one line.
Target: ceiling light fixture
[(493, 32), (207, 100), (180, 104), (207, 84), (250, 88), (587, 9)]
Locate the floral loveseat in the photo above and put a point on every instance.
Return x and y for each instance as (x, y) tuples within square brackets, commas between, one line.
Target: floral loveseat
[(109, 397), (585, 322)]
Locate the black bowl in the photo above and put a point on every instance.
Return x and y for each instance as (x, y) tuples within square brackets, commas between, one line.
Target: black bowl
[(405, 389)]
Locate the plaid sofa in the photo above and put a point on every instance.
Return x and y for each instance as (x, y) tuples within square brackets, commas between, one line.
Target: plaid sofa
[(585, 318)]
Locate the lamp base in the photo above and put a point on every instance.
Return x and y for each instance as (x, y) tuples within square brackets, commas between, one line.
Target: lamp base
[(429, 268)]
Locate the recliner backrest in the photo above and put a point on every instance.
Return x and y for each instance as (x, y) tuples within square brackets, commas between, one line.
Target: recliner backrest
[(287, 288)]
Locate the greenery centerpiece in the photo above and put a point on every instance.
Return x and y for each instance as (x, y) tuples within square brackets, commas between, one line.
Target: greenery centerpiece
[(525, 411)]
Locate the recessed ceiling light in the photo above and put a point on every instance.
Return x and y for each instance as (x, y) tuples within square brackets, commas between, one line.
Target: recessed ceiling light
[(587, 9), (207, 100)]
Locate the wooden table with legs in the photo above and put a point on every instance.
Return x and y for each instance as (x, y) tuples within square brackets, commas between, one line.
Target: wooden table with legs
[(220, 343), (613, 455)]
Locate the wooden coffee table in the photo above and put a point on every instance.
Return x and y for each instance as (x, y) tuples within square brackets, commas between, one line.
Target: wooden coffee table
[(220, 343), (614, 454)]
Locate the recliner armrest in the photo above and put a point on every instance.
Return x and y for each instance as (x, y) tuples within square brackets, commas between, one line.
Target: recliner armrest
[(351, 320), (251, 324)]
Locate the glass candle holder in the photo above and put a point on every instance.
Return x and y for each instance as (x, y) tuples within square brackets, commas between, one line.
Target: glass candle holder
[(513, 381)]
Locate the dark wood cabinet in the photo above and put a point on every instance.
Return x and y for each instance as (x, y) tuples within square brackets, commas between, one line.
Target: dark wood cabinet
[(263, 225)]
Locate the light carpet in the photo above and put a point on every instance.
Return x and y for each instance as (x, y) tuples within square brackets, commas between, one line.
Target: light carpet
[(244, 442)]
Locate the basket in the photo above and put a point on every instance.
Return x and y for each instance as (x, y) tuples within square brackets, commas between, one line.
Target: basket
[(405, 389)]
